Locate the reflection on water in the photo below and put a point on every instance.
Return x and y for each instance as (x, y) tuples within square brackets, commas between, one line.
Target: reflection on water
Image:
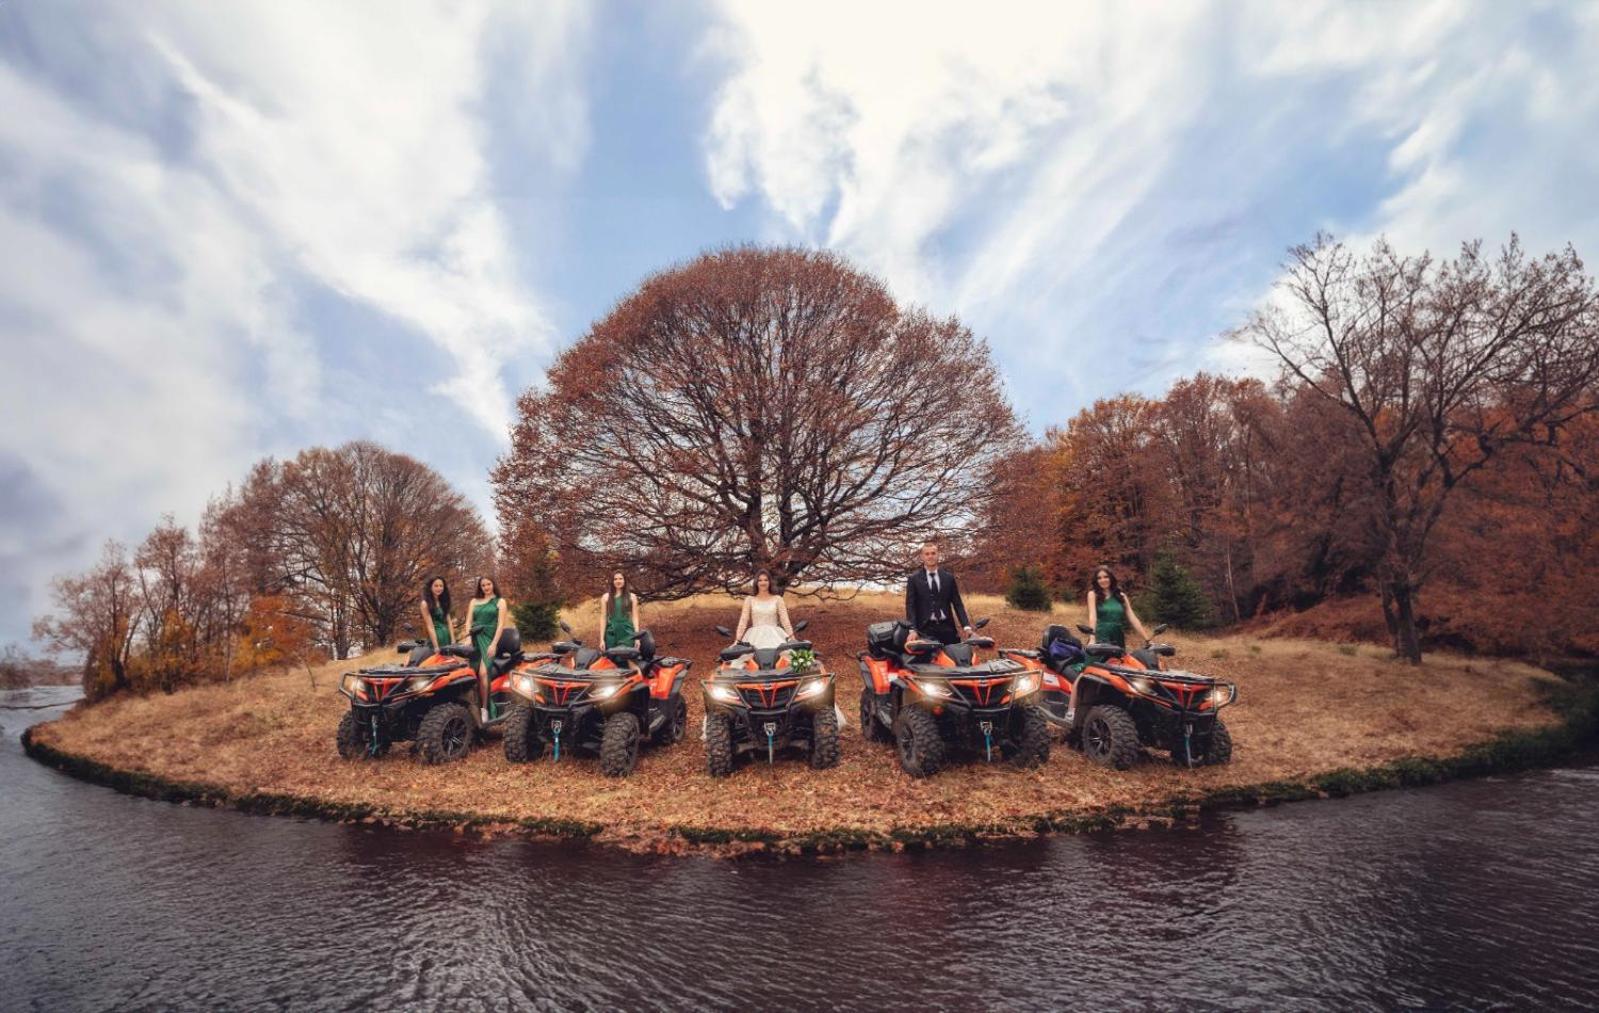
[(1478, 894)]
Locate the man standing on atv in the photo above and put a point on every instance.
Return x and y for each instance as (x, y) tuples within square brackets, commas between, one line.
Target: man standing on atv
[(931, 596)]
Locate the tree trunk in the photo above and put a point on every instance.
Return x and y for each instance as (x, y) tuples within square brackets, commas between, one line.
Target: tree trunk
[(1407, 643)]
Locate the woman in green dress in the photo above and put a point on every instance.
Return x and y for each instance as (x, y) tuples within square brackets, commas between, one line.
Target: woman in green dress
[(618, 613), (488, 615), (435, 606), (1109, 611)]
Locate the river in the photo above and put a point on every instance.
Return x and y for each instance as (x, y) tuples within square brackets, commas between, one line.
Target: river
[(1476, 895)]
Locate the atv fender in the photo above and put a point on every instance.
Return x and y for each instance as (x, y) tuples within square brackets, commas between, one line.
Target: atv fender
[(1086, 692)]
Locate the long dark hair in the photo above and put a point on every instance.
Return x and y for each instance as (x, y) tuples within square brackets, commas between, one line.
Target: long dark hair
[(477, 587), (1115, 585), (755, 582), (610, 588), (442, 602)]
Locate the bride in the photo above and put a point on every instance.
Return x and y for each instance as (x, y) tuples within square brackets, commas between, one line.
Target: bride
[(764, 621)]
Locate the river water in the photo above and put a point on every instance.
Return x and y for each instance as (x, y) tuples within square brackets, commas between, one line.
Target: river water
[(1474, 895)]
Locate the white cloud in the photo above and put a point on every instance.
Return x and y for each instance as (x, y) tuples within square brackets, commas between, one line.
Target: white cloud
[(1104, 188), (174, 180)]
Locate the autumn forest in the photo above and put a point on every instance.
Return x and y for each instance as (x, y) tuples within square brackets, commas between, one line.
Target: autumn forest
[(1421, 472)]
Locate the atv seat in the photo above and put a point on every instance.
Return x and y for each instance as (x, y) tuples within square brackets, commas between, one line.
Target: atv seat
[(1100, 652), (564, 646), (503, 664), (623, 653)]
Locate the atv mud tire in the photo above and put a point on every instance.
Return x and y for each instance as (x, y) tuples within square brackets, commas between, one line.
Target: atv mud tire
[(918, 742), (521, 745), (1110, 738), (1032, 740), (824, 739), (619, 744), (1220, 748), (445, 734), (676, 722), (718, 746), (354, 739), (871, 728)]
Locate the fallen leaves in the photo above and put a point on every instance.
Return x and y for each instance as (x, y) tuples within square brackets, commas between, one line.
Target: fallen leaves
[(1303, 709)]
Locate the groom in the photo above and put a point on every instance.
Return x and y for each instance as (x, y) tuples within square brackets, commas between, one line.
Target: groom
[(931, 596)]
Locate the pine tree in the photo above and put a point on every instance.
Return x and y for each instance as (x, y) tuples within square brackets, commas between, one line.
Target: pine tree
[(529, 566), (1177, 597), (1027, 590)]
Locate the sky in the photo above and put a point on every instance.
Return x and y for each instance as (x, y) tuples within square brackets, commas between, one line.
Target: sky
[(229, 231)]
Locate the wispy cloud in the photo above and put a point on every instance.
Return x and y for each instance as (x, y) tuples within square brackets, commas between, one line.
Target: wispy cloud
[(1103, 188), (180, 185)]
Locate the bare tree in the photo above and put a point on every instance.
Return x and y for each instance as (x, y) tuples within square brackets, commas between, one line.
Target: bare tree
[(97, 617), (351, 533), (1441, 365), (756, 408)]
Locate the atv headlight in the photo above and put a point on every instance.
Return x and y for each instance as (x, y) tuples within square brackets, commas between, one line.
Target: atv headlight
[(524, 685), (417, 683), (1140, 684), (937, 689), (1221, 696), (604, 690), (1025, 684), (816, 687), (726, 694), (352, 685)]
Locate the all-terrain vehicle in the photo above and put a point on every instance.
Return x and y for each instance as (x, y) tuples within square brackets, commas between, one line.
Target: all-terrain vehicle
[(1111, 701), (609, 702), (930, 697), (765, 699), (431, 699)]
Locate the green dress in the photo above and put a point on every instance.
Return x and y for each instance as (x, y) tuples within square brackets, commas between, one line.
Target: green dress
[(619, 623), (441, 628), (1110, 626), (485, 618)]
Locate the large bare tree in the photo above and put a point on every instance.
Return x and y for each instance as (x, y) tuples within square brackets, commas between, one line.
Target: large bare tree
[(757, 408), (350, 534), (1440, 365)]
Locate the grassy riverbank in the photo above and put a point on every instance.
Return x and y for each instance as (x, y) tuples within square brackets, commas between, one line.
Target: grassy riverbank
[(1312, 718)]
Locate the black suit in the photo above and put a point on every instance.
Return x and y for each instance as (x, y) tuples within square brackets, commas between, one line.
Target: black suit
[(923, 602)]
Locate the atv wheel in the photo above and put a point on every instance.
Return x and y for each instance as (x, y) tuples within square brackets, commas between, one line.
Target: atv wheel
[(718, 746), (824, 739), (921, 747), (675, 725), (1110, 738), (1032, 740), (1220, 747), (871, 728), (445, 734), (521, 745), (619, 744), (354, 739)]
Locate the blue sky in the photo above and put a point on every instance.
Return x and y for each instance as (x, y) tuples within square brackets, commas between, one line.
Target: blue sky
[(235, 230)]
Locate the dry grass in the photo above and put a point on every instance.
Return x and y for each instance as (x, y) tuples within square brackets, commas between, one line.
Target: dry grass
[(1304, 708)]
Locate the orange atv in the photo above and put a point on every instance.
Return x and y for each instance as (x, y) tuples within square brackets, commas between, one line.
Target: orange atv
[(1112, 701), (606, 701), (771, 697), (929, 697), (431, 700)]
